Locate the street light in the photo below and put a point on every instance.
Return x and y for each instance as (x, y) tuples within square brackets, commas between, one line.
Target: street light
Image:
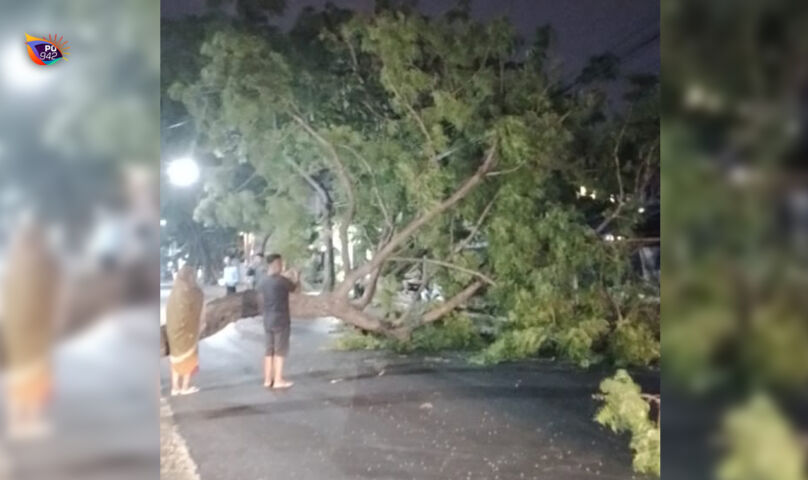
[(183, 172)]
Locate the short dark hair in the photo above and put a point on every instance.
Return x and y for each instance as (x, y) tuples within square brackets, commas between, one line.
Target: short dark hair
[(272, 257)]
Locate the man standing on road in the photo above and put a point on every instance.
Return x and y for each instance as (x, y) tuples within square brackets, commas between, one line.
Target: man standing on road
[(274, 291)]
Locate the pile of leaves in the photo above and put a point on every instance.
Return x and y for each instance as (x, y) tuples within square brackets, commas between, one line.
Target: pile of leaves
[(626, 410)]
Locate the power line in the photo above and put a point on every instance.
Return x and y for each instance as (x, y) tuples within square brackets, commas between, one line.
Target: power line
[(633, 50)]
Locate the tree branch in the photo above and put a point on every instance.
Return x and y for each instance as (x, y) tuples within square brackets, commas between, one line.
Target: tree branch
[(616, 156), (342, 174), (448, 306), (448, 265), (657, 399), (464, 243), (621, 193), (354, 58), (506, 171), (244, 184), (433, 154), (639, 240), (264, 243), (376, 191), (314, 184), (644, 172), (419, 222), (373, 281), (608, 220), (651, 398), (613, 303)]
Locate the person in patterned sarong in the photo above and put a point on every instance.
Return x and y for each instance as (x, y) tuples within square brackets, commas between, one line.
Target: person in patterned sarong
[(30, 296), (183, 314)]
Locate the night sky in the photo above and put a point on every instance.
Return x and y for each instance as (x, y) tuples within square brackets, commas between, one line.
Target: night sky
[(627, 28)]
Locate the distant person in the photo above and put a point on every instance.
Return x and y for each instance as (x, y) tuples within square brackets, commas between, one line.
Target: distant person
[(249, 274), (274, 292), (183, 315), (231, 276)]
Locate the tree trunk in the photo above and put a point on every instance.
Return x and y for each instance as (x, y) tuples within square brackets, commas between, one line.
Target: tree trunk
[(208, 268), (220, 312), (328, 226), (264, 242)]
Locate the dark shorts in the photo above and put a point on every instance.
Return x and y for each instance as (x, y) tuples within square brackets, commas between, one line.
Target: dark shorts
[(278, 341)]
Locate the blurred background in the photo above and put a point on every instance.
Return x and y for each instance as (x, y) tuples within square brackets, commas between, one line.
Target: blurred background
[(79, 241), (735, 255)]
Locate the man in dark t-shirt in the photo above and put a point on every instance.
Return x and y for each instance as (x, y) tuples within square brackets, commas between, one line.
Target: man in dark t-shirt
[(274, 291)]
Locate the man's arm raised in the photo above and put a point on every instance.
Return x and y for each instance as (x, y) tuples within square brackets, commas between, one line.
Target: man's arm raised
[(294, 277)]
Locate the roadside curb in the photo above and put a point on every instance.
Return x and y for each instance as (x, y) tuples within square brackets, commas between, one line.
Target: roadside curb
[(175, 459)]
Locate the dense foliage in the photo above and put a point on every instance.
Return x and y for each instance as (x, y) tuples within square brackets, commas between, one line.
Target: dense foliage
[(625, 410), (760, 444)]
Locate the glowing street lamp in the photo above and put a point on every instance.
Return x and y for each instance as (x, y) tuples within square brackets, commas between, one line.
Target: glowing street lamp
[(183, 172)]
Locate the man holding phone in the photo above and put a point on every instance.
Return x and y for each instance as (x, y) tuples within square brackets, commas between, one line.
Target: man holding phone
[(274, 291)]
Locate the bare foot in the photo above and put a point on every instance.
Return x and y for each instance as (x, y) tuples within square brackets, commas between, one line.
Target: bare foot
[(189, 391), (267, 384), (281, 384)]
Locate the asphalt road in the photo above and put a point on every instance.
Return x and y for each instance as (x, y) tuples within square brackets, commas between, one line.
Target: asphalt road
[(374, 415)]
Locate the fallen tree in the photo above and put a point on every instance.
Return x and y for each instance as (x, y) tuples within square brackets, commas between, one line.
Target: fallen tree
[(337, 303)]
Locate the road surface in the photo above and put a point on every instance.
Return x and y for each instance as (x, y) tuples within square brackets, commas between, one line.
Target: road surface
[(375, 415)]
